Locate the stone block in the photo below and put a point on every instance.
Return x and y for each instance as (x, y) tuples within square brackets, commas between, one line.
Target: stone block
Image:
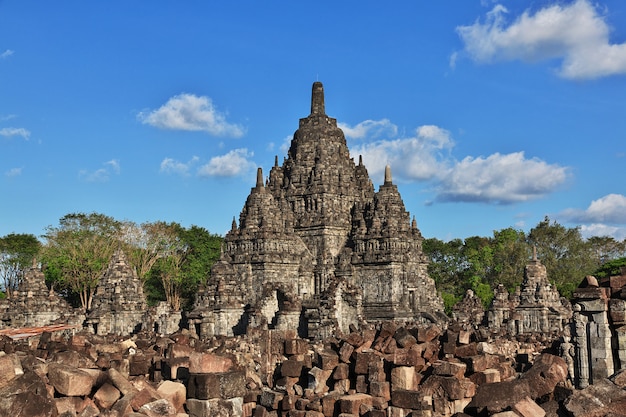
[(404, 378), (526, 407), (291, 368), (328, 359), (216, 407), (174, 392), (547, 371), (269, 399), (10, 367), (296, 346), (361, 384), (466, 350), (158, 408), (121, 383), (345, 352), (106, 396), (139, 365), (487, 376), (464, 337), (447, 368), (329, 403), (428, 334), (380, 389), (69, 381), (68, 405), (411, 399), (342, 371), (142, 397), (204, 363), (342, 386), (318, 378), (404, 339), (498, 396), (363, 360), (222, 385), (376, 371), (351, 403)]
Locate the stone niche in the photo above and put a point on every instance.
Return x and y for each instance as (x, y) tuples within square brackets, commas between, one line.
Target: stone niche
[(316, 248)]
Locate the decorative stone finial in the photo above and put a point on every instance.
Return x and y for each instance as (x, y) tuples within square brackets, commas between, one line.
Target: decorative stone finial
[(534, 253), (234, 224), (360, 160), (388, 175), (317, 99), (275, 160), (259, 178)]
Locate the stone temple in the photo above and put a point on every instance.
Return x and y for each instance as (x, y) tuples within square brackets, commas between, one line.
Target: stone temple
[(316, 248)]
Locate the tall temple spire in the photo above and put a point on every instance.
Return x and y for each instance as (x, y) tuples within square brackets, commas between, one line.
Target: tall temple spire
[(388, 175), (317, 99)]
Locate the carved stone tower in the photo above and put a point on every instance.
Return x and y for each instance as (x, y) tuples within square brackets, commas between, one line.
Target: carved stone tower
[(316, 247)]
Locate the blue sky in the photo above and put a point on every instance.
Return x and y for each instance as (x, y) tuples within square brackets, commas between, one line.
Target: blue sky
[(491, 114)]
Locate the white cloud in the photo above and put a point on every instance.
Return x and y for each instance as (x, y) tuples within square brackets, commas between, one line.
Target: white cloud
[(426, 157), (596, 229), (416, 158), (15, 131), (6, 54), (610, 209), (114, 164), (235, 162), (370, 129), (172, 166), (498, 178), (102, 174), (192, 113), (575, 33), (13, 172)]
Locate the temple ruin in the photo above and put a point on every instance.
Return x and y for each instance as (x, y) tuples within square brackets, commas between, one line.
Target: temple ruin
[(33, 304), (535, 307), (316, 248), (120, 307), (599, 328)]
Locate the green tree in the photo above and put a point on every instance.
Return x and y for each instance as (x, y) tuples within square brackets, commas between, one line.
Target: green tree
[(17, 252), (568, 258), (78, 250), (606, 248), (145, 244), (611, 268), (447, 264), (203, 250), (511, 253)]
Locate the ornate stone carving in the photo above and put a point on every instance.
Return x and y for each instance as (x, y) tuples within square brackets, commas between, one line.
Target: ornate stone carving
[(316, 247)]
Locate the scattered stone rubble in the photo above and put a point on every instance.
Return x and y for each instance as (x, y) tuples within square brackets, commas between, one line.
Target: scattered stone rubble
[(389, 370)]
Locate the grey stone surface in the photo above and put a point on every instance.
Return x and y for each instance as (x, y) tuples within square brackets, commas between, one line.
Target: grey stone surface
[(316, 248)]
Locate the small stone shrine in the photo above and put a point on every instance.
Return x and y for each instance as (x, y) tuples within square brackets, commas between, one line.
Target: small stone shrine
[(118, 305), (316, 248), (599, 328), (34, 305), (535, 307)]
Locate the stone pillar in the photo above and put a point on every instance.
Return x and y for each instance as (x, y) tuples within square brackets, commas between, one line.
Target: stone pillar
[(600, 347), (580, 339)]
